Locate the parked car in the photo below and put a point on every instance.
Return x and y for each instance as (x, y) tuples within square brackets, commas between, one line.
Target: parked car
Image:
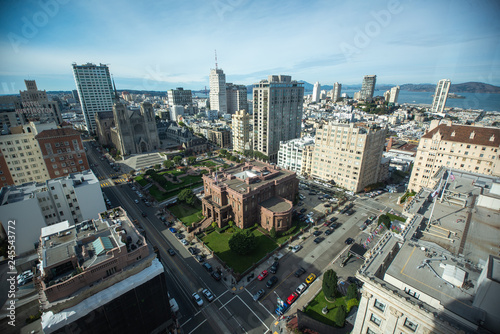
[(272, 281), (299, 272), (208, 295), (197, 299), (328, 232), (199, 258), (258, 295), (301, 288), (208, 267), (318, 240), (349, 241), (172, 229), (216, 275), (310, 278), (192, 250), (184, 242), (179, 236), (136, 201), (296, 248), (274, 267), (262, 275), (293, 297), (317, 233)]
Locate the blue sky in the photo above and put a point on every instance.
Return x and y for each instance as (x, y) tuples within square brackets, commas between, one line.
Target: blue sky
[(163, 44)]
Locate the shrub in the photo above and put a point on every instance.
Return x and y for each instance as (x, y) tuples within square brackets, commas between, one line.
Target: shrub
[(339, 317), (352, 292)]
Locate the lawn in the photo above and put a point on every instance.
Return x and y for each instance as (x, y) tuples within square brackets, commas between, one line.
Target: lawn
[(187, 214), (394, 217), (218, 242), (315, 307), (143, 182), (206, 163)]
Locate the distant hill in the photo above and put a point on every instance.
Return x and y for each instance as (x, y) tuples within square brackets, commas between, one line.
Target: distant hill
[(466, 87)]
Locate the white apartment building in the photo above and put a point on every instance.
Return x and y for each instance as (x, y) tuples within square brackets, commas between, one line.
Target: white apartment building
[(292, 154), (22, 156), (236, 98), (337, 89), (440, 96), (349, 154), (277, 113), (218, 97), (468, 148), (74, 198), (241, 131), (316, 92), (175, 112), (95, 91), (393, 98)]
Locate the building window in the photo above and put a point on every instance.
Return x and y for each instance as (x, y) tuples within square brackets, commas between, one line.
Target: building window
[(378, 304), (369, 331), (410, 324), (376, 320)]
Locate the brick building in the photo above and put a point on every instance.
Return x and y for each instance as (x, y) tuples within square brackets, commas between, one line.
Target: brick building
[(250, 193), (62, 151)]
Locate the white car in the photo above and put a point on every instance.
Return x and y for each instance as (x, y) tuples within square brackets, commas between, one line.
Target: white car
[(184, 242), (136, 201), (295, 249), (197, 299), (301, 288), (208, 295)]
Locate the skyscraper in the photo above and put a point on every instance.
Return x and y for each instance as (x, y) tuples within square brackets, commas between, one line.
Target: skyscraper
[(277, 113), (393, 95), (218, 99), (337, 88), (95, 91), (241, 130), (236, 96), (440, 96), (316, 92), (368, 87)]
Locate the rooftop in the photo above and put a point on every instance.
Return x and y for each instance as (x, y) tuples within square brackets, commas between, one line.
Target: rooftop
[(466, 134), (276, 204)]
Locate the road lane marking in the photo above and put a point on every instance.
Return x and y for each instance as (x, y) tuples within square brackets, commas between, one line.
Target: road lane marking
[(201, 323), (253, 312)]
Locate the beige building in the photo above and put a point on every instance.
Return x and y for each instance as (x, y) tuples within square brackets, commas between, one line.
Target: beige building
[(23, 157), (440, 96), (220, 137), (36, 105), (241, 130), (348, 154), (463, 147)]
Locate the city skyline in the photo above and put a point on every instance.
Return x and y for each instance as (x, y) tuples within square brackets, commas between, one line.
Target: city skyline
[(172, 45)]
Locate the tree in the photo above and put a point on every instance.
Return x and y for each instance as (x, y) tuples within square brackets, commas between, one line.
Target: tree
[(339, 317), (352, 292), (177, 159), (209, 154), (223, 152), (187, 196), (243, 242), (330, 281), (168, 164), (191, 160), (272, 233), (157, 166), (150, 172)]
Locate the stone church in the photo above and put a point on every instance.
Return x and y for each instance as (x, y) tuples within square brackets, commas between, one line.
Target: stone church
[(135, 130)]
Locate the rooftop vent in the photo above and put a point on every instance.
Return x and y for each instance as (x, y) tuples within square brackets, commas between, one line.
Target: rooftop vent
[(472, 134)]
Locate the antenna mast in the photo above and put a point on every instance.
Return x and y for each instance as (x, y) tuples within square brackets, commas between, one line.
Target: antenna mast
[(215, 59)]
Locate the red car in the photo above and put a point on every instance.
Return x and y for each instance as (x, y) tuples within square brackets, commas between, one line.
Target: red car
[(262, 275), (292, 298)]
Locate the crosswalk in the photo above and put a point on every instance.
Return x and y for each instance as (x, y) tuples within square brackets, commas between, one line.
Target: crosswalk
[(112, 175), (120, 178)]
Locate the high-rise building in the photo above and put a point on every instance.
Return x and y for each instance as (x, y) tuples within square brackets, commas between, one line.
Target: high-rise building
[(35, 105), (75, 197), (63, 151), (440, 95), (468, 148), (393, 98), (292, 154), (8, 115), (180, 97), (241, 131), (337, 88), (220, 136), (236, 98), (348, 154), (95, 91), (316, 92), (277, 113), (368, 87), (218, 97)]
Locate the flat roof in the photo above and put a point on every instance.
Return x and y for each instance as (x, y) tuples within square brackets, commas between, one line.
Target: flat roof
[(276, 204)]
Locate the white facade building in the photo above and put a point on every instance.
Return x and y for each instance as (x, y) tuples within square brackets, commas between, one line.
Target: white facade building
[(241, 131), (236, 96), (316, 92), (393, 98), (292, 154), (175, 112), (337, 88), (440, 95), (218, 97), (95, 91), (74, 198)]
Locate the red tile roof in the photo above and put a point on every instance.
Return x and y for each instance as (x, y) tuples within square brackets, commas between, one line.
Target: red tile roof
[(462, 134), (57, 133)]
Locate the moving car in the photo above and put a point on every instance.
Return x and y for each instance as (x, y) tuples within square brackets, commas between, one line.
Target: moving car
[(258, 295), (197, 299), (136, 201), (216, 275), (171, 252), (262, 275), (293, 297), (349, 241), (310, 278), (144, 214), (208, 295), (272, 281)]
